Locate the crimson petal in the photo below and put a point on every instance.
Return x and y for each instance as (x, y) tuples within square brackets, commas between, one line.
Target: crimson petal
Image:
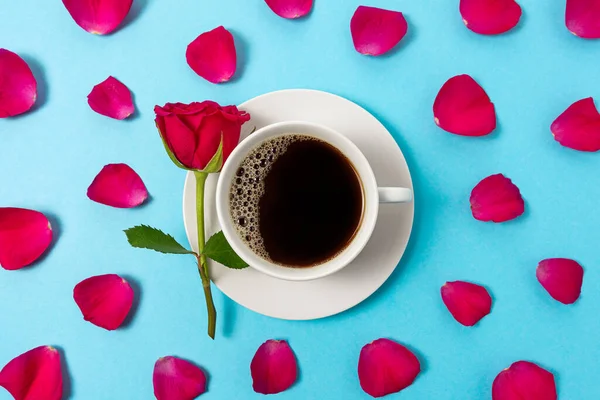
[(490, 17), (467, 302), (104, 300), (290, 8), (34, 375), (177, 379), (98, 16), (24, 236), (496, 199), (18, 87), (462, 107), (562, 278), (273, 367), (578, 127), (582, 18), (212, 55), (112, 99), (386, 367), (376, 31), (524, 380), (117, 185)]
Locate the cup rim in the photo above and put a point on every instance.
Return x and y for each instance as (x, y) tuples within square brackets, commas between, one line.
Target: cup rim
[(370, 199)]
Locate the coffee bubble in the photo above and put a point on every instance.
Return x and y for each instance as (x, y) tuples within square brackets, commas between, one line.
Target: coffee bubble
[(251, 186)]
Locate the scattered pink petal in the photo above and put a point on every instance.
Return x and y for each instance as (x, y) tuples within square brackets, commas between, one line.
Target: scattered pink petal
[(524, 380), (117, 185), (376, 31), (496, 199), (98, 16), (273, 367), (177, 379), (386, 367), (290, 9), (490, 17), (578, 127), (212, 55), (34, 375), (24, 236), (462, 107), (562, 278), (18, 87), (112, 99), (467, 302), (104, 300), (583, 18)]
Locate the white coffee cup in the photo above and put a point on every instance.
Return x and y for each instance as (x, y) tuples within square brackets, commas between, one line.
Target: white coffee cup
[(373, 196)]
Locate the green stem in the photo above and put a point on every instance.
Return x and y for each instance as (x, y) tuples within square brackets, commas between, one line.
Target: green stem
[(202, 264)]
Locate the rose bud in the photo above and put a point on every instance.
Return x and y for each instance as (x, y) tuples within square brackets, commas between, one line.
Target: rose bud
[(199, 136)]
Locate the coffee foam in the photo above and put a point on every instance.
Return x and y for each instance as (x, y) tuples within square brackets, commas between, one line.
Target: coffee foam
[(248, 186)]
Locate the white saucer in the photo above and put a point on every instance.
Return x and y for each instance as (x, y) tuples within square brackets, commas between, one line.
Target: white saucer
[(357, 281)]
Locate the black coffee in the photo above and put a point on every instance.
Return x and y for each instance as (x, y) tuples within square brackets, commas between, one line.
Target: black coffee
[(296, 200)]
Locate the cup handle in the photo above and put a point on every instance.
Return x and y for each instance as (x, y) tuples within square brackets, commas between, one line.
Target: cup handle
[(395, 195)]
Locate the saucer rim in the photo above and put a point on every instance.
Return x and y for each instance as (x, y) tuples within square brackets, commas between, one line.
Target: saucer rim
[(355, 301)]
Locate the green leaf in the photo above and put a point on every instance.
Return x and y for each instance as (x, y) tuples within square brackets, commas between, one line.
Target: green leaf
[(146, 237), (217, 248), (216, 162)]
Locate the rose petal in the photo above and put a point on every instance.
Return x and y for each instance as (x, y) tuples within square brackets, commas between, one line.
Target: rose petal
[(104, 300), (212, 55), (34, 375), (582, 18), (496, 199), (490, 17), (376, 31), (562, 278), (386, 367), (112, 99), (177, 379), (290, 8), (18, 87), (273, 367), (462, 107), (524, 381), (24, 236), (98, 16), (192, 133), (578, 127), (467, 302), (117, 185)]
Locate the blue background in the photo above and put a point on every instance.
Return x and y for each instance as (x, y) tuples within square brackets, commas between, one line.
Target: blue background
[(49, 156)]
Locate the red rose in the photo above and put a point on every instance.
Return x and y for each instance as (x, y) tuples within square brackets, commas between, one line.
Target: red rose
[(193, 132)]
